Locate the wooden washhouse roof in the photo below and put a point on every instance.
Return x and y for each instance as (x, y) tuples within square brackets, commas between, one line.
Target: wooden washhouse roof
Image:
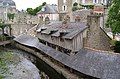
[(70, 31), (100, 64)]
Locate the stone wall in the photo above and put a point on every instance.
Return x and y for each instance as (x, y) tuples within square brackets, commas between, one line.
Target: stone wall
[(18, 29), (97, 38), (82, 14), (25, 18)]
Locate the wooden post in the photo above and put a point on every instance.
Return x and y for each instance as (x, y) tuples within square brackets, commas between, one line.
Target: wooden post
[(56, 47), (46, 44)]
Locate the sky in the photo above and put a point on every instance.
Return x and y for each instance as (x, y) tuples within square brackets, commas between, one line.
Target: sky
[(24, 4)]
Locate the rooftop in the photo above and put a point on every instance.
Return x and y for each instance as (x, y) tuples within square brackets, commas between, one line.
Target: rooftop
[(4, 3), (49, 9), (70, 29), (90, 62)]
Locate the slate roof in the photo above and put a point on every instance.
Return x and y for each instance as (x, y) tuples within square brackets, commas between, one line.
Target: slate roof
[(71, 30), (7, 3), (48, 9), (81, 13), (98, 64)]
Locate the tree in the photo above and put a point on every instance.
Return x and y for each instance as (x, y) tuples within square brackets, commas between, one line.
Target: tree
[(74, 8), (2, 26), (44, 3), (113, 20), (117, 47), (75, 4), (109, 2), (10, 16), (36, 10), (30, 11)]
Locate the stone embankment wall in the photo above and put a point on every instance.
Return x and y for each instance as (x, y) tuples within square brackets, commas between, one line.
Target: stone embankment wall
[(58, 68)]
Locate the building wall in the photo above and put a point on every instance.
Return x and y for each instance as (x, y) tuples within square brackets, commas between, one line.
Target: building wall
[(97, 38), (25, 18), (5, 10), (82, 14), (92, 1), (18, 29), (53, 17), (74, 44), (64, 8)]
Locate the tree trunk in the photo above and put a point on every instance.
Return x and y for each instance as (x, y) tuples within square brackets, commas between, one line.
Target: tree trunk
[(10, 31), (113, 36), (2, 31)]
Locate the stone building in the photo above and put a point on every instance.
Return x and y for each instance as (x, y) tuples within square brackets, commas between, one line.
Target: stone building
[(25, 18), (97, 38), (90, 1), (65, 6), (70, 37), (81, 15), (49, 11), (66, 38), (6, 6)]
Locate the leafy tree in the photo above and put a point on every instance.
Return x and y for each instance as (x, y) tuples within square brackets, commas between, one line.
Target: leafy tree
[(109, 2), (44, 3), (74, 8), (10, 16), (113, 20), (30, 11), (88, 6), (36, 10), (117, 46), (75, 4), (2, 26)]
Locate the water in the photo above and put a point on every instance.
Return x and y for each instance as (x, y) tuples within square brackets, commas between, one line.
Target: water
[(46, 71)]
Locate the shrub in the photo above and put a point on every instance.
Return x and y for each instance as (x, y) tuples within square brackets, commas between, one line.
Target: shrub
[(117, 47)]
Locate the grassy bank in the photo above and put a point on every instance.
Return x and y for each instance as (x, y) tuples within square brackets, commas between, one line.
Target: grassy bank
[(6, 58)]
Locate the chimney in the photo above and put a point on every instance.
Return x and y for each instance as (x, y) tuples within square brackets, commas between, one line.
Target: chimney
[(97, 37), (65, 21)]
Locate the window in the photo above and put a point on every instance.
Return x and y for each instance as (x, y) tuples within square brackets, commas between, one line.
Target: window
[(95, 1), (61, 39), (64, 8)]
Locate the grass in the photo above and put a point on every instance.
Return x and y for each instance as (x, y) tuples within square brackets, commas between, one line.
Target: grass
[(6, 58), (113, 42)]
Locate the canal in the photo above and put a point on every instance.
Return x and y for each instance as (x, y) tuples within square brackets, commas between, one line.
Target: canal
[(46, 71)]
